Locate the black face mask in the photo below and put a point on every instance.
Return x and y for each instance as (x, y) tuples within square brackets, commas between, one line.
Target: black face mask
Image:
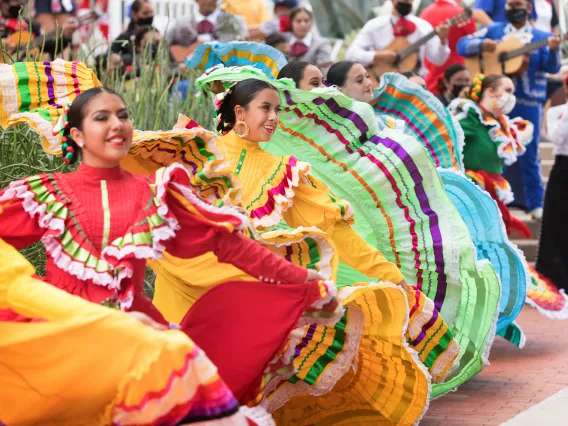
[(457, 89), (516, 16), (404, 8), (14, 11), (145, 22), (154, 51)]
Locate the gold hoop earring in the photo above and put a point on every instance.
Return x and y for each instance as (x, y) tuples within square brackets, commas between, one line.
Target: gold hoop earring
[(247, 129)]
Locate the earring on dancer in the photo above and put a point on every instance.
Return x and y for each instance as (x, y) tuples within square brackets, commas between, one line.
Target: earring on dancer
[(247, 129)]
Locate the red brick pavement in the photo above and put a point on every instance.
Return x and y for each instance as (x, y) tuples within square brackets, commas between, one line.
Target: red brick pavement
[(515, 381)]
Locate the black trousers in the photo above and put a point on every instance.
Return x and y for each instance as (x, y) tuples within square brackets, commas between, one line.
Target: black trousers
[(552, 259)]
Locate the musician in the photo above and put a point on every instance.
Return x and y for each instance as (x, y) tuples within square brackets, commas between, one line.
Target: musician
[(305, 45), (435, 14), (206, 22), (486, 12), (369, 47), (530, 90)]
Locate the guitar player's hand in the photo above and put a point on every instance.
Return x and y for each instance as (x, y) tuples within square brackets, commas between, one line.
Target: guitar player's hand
[(385, 57), (553, 42), (443, 30), (488, 45)]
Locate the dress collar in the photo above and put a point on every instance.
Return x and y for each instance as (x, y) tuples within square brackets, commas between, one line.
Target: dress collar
[(213, 17), (98, 174), (308, 39), (234, 141)]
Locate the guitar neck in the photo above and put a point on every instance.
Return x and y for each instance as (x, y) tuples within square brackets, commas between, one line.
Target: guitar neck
[(525, 49), (414, 47)]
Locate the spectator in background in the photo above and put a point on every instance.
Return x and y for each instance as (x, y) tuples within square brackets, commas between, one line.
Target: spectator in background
[(281, 21), (141, 15), (108, 64), (546, 16), (415, 78), (486, 12), (206, 22), (53, 13), (456, 79), (370, 45), (254, 12), (435, 14), (279, 41), (305, 45), (552, 258)]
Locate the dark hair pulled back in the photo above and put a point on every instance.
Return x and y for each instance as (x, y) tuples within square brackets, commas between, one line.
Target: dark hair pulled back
[(294, 70), (75, 116), (481, 83), (135, 8), (297, 10), (337, 74), (241, 94)]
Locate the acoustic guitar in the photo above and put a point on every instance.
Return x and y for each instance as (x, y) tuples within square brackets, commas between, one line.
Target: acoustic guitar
[(25, 45), (407, 53), (510, 57)]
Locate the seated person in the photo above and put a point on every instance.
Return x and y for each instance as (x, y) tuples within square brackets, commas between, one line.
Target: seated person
[(141, 15), (16, 31), (109, 64), (415, 78), (456, 79), (281, 21), (279, 42), (206, 22), (305, 45)]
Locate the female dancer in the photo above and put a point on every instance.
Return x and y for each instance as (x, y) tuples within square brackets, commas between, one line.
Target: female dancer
[(282, 199), (100, 223), (147, 376)]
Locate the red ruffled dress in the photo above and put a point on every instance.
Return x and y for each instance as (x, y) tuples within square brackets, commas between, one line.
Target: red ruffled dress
[(100, 225)]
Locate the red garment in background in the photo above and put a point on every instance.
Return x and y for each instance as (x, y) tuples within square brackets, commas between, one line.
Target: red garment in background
[(435, 14)]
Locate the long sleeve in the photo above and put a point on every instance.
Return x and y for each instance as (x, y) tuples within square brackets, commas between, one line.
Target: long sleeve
[(17, 228), (362, 49), (198, 236), (550, 60), (360, 255), (436, 52), (470, 45)]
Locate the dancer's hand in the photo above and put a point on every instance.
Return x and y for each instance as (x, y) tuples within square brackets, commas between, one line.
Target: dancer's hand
[(406, 286), (145, 319), (313, 275)]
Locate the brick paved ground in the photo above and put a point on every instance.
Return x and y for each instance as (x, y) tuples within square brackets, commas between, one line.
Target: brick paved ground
[(515, 380)]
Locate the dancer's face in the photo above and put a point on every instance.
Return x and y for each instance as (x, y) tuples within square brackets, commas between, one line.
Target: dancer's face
[(261, 115), (312, 79), (106, 133), (358, 84)]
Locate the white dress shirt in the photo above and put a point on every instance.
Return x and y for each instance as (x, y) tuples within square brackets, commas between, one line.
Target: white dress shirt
[(377, 34), (557, 128), (307, 40)]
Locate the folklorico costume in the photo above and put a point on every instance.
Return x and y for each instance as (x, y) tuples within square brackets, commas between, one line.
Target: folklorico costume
[(145, 377), (426, 119), (99, 226), (530, 91)]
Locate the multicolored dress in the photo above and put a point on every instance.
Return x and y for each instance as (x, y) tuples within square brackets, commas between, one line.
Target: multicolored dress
[(99, 226), (144, 377)]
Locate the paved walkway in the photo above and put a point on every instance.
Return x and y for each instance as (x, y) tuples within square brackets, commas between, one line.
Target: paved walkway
[(515, 381)]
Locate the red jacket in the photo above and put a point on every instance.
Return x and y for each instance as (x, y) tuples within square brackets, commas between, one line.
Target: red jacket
[(435, 14)]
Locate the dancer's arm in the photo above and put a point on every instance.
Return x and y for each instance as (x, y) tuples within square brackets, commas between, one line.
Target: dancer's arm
[(17, 227), (360, 255), (201, 232)]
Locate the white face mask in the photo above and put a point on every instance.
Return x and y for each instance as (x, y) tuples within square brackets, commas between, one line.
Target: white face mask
[(507, 102)]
